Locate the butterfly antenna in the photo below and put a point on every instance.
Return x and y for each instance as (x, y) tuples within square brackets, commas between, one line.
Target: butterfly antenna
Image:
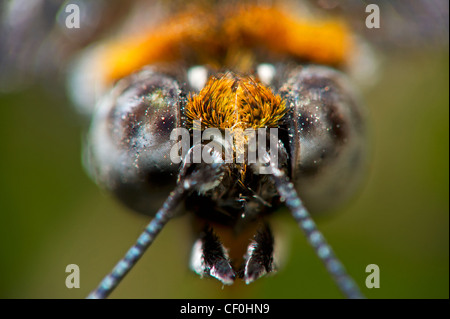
[(191, 177), (315, 238), (147, 237)]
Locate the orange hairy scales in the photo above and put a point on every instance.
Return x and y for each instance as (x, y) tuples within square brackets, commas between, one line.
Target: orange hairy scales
[(209, 36), (236, 103)]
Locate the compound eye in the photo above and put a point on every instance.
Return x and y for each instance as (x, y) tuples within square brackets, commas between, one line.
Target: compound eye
[(129, 140), (326, 135)]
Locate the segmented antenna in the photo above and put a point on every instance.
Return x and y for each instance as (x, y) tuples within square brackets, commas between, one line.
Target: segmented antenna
[(188, 180), (111, 281), (323, 250)]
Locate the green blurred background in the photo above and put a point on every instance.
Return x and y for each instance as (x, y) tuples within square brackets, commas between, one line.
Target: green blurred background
[(52, 215)]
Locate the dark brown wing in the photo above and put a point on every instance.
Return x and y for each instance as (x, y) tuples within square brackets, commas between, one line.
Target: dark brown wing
[(35, 42), (403, 23)]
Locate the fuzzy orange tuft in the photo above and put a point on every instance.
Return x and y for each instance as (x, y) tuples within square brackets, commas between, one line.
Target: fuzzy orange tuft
[(236, 103)]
